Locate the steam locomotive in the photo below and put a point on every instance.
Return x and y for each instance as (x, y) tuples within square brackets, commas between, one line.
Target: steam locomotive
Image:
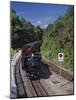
[(31, 59)]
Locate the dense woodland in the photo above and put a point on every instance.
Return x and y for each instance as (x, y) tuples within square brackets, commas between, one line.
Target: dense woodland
[(23, 31), (57, 37)]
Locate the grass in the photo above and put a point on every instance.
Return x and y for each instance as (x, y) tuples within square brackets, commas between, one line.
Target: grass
[(52, 53)]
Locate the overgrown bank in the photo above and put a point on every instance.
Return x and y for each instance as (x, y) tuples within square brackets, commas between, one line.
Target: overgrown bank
[(59, 37)]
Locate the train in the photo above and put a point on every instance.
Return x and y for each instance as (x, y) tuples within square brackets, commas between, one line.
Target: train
[(31, 59)]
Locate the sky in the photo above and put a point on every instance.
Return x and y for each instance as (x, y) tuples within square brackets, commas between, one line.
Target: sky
[(38, 13)]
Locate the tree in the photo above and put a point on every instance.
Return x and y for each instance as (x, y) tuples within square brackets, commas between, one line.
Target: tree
[(59, 36), (23, 31), (38, 33)]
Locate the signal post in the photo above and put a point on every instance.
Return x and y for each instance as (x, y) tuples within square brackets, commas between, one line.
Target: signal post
[(60, 60)]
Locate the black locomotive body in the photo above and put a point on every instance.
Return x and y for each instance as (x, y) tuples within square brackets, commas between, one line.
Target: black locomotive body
[(31, 59)]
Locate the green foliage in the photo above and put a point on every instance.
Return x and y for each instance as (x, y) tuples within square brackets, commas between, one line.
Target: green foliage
[(23, 31), (59, 37), (38, 33)]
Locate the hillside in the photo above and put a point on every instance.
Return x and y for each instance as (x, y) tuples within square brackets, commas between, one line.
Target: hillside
[(59, 37), (23, 31)]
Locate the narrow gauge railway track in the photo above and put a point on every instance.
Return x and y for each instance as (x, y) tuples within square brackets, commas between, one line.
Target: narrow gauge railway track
[(39, 89), (19, 82), (27, 87), (33, 87)]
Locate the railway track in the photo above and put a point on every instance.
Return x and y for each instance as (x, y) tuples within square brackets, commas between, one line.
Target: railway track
[(33, 87), (27, 87), (39, 89), (19, 81)]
